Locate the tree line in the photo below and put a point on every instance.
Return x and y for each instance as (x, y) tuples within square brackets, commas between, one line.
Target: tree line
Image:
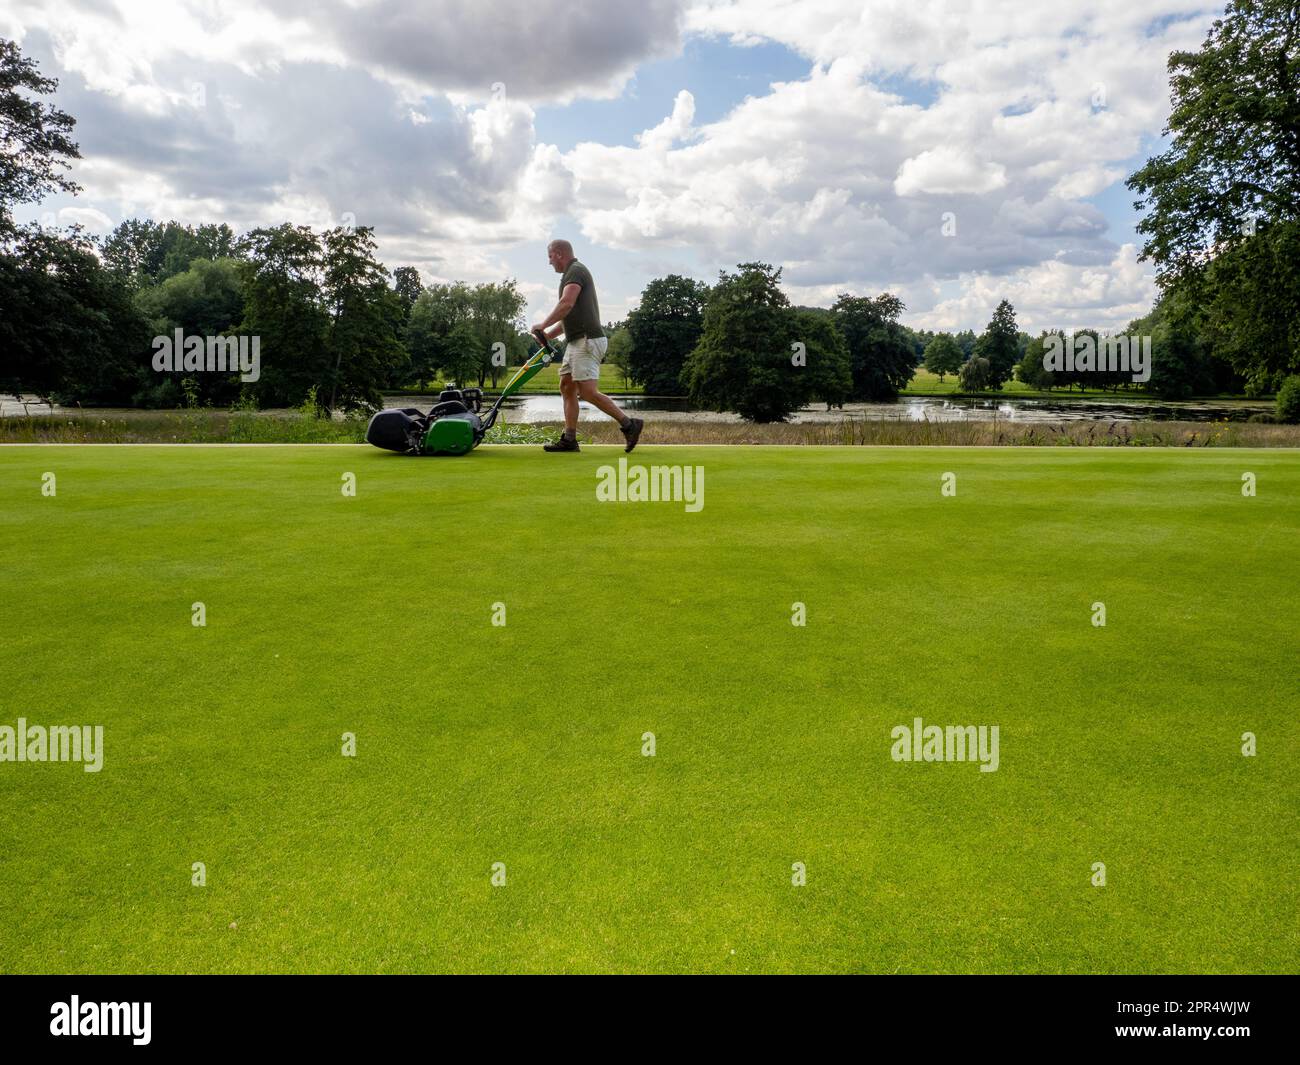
[(77, 314), (81, 314)]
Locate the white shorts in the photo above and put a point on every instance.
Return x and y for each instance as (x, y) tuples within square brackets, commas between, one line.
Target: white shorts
[(582, 358)]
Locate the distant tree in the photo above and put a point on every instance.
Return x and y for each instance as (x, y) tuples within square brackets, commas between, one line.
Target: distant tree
[(132, 250), (365, 315), (1185, 361), (883, 358), (440, 336), (943, 356), (206, 300), (975, 375), (742, 362), (966, 341), (284, 305), (68, 328), (180, 246), (407, 285), (460, 361), (496, 316), (1176, 360), (421, 338), (1030, 370), (826, 358), (148, 252), (216, 241), (921, 339), (665, 328), (1084, 379), (620, 349), (999, 344)]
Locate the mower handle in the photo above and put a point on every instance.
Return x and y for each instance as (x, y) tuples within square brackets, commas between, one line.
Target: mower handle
[(540, 336)]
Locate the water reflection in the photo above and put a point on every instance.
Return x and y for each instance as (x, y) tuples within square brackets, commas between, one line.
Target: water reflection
[(909, 408)]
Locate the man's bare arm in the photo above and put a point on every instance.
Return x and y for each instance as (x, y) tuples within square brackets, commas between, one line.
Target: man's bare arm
[(568, 298)]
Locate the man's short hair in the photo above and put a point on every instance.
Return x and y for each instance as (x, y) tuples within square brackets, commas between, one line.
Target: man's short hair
[(562, 245)]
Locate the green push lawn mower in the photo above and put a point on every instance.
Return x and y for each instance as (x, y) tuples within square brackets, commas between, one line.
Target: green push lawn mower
[(453, 426)]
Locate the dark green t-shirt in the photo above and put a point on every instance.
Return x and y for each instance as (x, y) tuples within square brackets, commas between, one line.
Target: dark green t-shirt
[(584, 319)]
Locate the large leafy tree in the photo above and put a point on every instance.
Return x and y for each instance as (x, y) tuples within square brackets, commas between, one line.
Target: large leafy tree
[(206, 300), (943, 356), (828, 366), (284, 306), (407, 284), (365, 315), (881, 353), (620, 349), (453, 328), (1030, 370), (1249, 297), (1000, 345), (1183, 362), (421, 336), (1223, 202), (497, 317), (743, 360), (68, 328), (34, 144), (132, 249), (1235, 125), (665, 328), (438, 334), (149, 252), (975, 375)]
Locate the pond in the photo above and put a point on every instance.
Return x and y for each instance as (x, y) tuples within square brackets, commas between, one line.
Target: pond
[(549, 408), (908, 408)]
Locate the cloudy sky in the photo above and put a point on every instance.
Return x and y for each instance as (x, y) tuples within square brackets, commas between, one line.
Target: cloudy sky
[(952, 151)]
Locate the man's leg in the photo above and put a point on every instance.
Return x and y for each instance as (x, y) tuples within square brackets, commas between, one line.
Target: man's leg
[(569, 439), (631, 427), (590, 391), (569, 390)]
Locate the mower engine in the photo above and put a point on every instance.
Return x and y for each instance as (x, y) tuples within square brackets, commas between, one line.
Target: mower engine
[(452, 427)]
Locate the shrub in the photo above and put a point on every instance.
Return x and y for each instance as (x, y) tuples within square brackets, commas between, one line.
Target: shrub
[(1288, 401), (974, 375)]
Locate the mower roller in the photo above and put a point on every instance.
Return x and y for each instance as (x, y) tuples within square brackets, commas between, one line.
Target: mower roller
[(453, 426)]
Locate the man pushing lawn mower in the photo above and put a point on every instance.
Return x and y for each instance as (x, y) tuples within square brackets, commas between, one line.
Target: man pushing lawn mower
[(578, 316)]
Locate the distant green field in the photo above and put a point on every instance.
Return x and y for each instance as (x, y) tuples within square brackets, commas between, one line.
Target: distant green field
[(926, 383), (611, 380), (548, 380), (522, 744)]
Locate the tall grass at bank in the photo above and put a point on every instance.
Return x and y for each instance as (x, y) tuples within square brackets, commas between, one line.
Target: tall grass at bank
[(859, 432), (206, 426)]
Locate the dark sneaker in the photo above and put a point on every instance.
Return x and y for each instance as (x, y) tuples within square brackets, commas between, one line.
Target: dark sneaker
[(563, 444), (633, 432)]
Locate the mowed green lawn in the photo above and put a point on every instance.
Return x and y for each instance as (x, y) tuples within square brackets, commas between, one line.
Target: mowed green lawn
[(522, 744)]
